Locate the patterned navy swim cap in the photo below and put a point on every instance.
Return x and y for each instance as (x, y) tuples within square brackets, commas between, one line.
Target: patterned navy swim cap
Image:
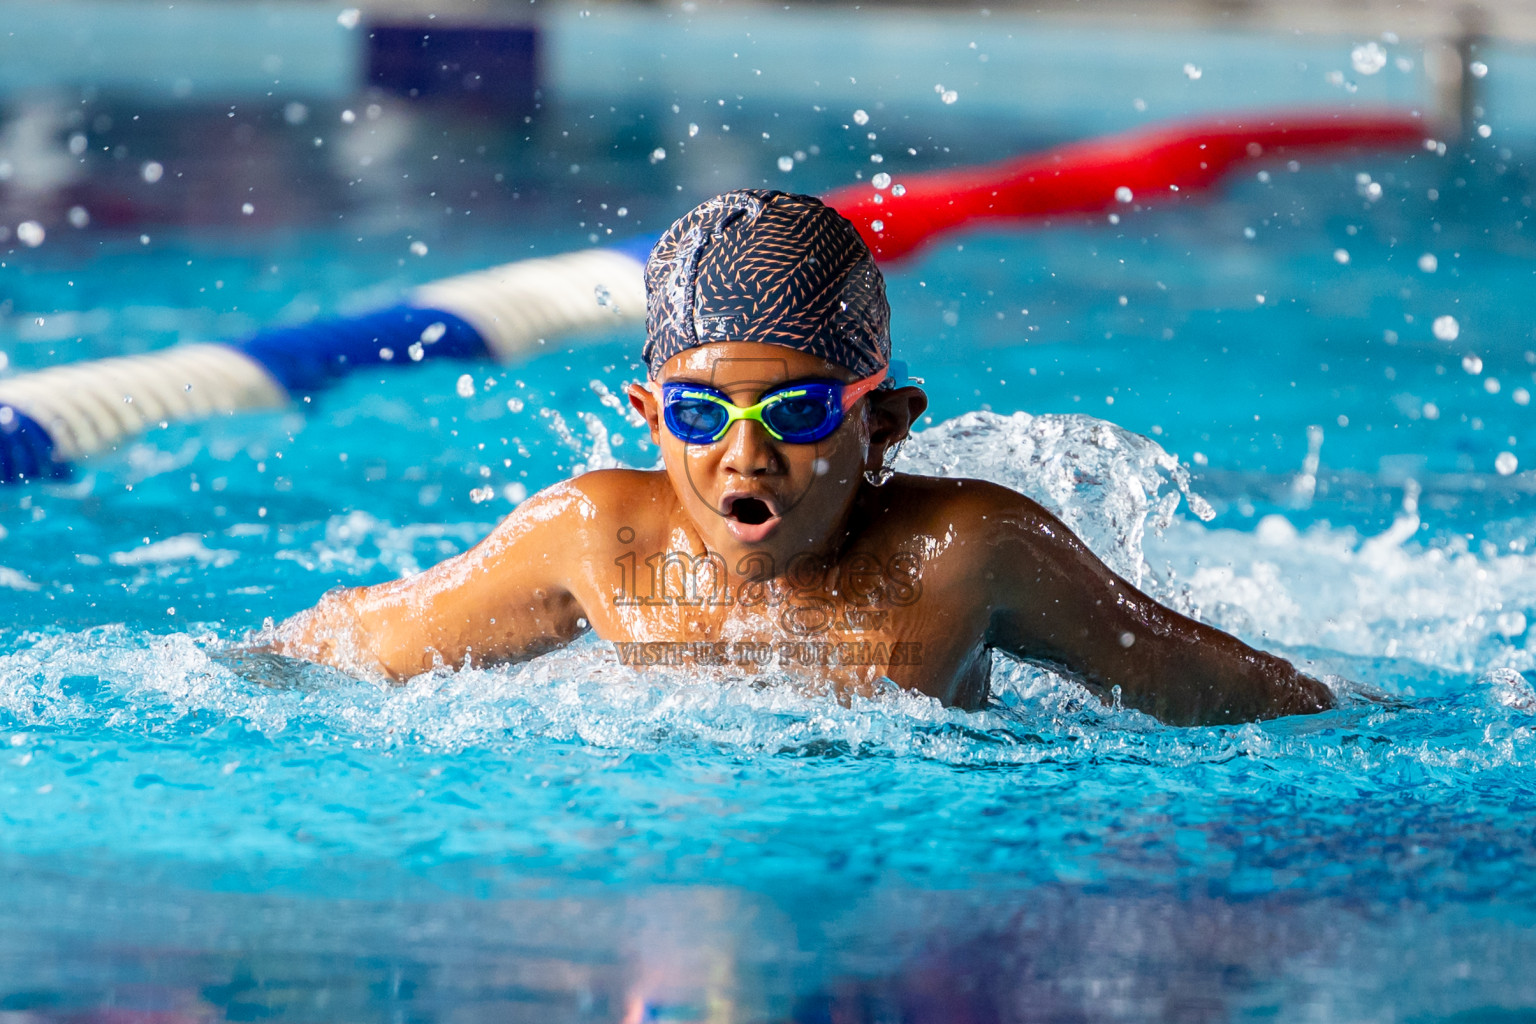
[(766, 266)]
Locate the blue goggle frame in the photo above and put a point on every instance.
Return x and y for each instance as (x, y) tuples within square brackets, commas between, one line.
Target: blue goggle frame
[(800, 413)]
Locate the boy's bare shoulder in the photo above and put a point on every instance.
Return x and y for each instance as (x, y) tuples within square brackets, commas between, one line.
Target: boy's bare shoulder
[(626, 490), (591, 502), (959, 528), (615, 499), (964, 507), (980, 541), (567, 524)]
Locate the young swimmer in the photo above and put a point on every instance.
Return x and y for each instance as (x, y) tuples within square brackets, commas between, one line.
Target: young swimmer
[(775, 536)]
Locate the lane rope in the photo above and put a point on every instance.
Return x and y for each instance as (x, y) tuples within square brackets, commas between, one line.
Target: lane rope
[(1147, 167), (53, 417)]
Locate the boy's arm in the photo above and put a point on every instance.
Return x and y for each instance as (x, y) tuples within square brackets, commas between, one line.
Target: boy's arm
[(506, 599), (1055, 602)]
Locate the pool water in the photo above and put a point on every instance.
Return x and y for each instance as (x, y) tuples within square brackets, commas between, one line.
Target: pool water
[(189, 834)]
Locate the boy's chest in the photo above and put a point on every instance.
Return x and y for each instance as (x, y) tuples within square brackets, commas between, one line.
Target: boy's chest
[(851, 628)]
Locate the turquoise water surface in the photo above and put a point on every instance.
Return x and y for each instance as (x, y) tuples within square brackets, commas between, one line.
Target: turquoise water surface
[(186, 836)]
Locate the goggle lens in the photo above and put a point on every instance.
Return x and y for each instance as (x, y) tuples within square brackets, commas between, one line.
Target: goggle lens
[(805, 417), (801, 413), (694, 420)]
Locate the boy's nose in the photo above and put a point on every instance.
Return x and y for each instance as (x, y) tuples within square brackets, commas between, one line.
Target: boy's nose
[(749, 450)]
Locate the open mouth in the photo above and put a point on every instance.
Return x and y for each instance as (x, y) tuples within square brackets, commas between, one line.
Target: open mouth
[(751, 511), (750, 518)]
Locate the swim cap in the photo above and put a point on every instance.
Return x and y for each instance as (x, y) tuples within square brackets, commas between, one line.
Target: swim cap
[(766, 266)]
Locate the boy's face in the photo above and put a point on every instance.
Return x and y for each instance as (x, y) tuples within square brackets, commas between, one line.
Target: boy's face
[(747, 493)]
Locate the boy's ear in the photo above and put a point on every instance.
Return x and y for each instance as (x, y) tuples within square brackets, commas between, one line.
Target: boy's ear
[(892, 415), (643, 400)]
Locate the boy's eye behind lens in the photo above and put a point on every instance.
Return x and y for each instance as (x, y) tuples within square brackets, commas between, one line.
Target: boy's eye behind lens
[(704, 416), (794, 415)]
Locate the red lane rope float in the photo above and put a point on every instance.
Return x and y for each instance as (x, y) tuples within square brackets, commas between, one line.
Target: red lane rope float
[(1143, 167)]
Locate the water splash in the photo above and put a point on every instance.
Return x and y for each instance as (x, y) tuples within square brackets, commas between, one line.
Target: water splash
[(1379, 597), (1106, 483)]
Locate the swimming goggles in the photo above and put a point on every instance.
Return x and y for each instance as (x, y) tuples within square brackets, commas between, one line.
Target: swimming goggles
[(800, 413)]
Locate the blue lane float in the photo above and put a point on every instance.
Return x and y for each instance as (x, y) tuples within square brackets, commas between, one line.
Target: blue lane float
[(53, 417)]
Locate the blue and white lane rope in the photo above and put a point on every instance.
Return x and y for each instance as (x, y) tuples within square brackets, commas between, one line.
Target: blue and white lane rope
[(52, 417)]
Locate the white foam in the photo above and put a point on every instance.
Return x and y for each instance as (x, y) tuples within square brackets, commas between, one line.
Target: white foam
[(1386, 595), (12, 579), (349, 538), (184, 547)]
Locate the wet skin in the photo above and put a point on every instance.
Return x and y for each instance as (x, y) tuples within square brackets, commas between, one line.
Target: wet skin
[(757, 546)]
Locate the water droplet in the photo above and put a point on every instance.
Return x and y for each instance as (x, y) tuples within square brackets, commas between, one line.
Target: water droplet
[(1368, 59), (415, 351), (1484, 130), (152, 171), (1123, 195), (1506, 463), (1192, 72), (949, 96), (296, 113), (348, 117), (693, 130), (786, 164), (434, 332), (1446, 328), (881, 180), (877, 225), (1250, 233), (514, 405), (247, 209), (349, 17), (898, 190), (1491, 385), (465, 386), (860, 117), (658, 155), (419, 248), (1428, 263), (1478, 69), (1472, 363), (39, 321), (79, 216), (30, 233), (1341, 255), (876, 158), (1521, 396)]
